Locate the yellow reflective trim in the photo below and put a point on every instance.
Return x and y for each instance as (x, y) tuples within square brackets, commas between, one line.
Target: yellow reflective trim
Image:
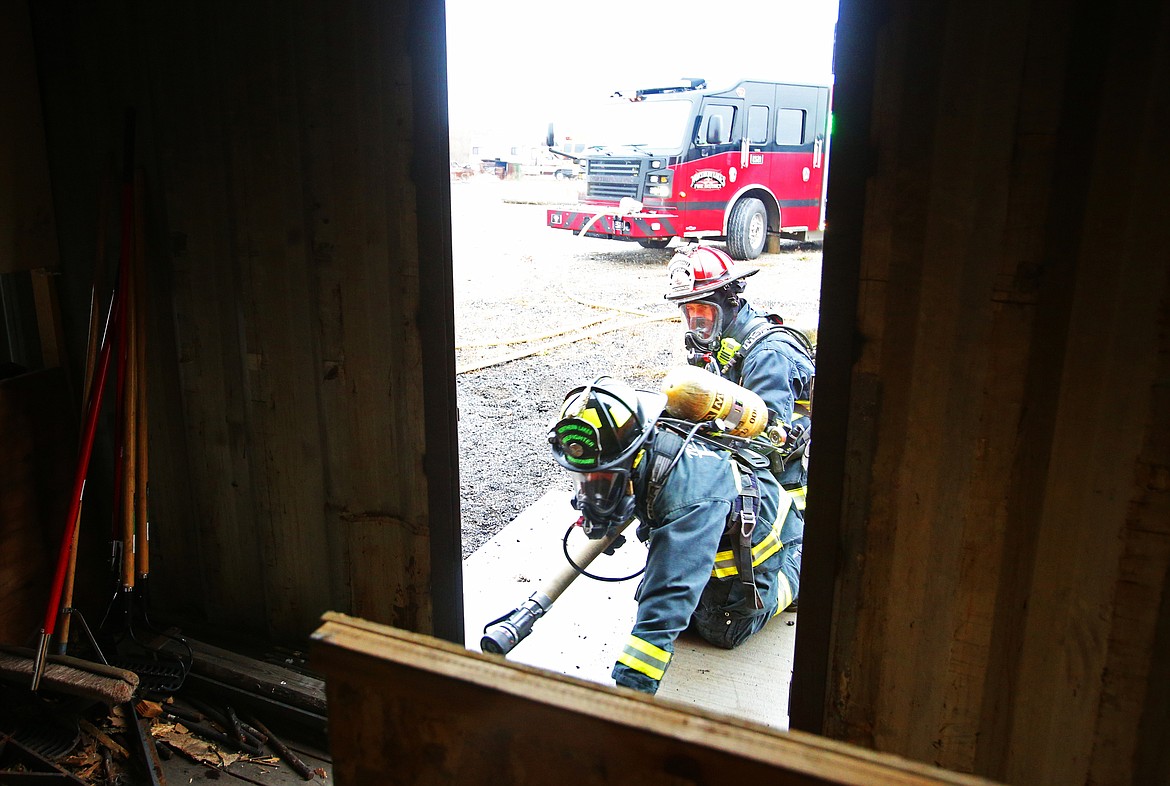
[(640, 666), (641, 645), (724, 565), (725, 560), (785, 593), (619, 414), (798, 496), (773, 545), (630, 657)]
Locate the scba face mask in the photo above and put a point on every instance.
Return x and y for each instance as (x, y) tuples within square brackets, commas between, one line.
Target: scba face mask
[(704, 323), (605, 499)]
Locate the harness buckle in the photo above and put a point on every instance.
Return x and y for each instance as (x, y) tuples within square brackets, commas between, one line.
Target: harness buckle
[(747, 522)]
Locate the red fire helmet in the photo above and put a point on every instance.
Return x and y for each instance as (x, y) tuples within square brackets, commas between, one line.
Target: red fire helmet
[(697, 271)]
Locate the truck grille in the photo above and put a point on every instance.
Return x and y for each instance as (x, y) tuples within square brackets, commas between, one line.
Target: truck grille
[(614, 178)]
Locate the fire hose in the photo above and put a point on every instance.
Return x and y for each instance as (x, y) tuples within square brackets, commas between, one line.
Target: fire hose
[(500, 636)]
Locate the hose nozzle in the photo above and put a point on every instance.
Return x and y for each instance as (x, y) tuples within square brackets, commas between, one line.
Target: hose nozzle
[(500, 636)]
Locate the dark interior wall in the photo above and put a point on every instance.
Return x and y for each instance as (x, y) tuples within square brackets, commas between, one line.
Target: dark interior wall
[(986, 562), (293, 166), (988, 546)]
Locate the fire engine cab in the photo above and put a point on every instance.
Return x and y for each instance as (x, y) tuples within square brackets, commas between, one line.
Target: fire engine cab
[(691, 162)]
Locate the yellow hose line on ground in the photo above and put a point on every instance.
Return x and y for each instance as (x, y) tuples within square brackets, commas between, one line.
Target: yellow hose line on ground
[(570, 340), (527, 339)]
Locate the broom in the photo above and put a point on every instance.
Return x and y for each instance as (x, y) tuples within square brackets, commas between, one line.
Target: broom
[(69, 675)]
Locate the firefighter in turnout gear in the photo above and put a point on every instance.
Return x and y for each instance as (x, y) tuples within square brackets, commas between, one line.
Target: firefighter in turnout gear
[(726, 336), (722, 536)]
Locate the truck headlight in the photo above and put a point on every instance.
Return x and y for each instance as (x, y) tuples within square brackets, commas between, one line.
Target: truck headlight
[(659, 191)]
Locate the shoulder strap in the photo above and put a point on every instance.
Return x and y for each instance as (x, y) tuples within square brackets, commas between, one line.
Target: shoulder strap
[(767, 326), (740, 526), (661, 458)]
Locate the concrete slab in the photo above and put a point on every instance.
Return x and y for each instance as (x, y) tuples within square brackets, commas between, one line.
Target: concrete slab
[(587, 626)]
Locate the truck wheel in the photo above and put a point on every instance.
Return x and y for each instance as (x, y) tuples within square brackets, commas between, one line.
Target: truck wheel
[(654, 242), (747, 230)]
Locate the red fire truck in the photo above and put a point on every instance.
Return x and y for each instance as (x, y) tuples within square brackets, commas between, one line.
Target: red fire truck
[(691, 162)]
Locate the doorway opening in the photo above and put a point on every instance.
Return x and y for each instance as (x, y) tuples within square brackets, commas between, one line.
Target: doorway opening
[(540, 310)]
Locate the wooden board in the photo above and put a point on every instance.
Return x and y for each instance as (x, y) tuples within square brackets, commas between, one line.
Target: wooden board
[(37, 454), (28, 236), (412, 709)]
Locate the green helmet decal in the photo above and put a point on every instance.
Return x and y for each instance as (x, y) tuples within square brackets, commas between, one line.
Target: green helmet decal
[(579, 442)]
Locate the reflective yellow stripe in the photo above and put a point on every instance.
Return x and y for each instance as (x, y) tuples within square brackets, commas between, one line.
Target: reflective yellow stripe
[(725, 560), (642, 656), (785, 593), (724, 564), (766, 547), (798, 496)]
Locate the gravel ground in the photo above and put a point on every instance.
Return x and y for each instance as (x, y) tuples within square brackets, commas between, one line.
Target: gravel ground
[(539, 311)]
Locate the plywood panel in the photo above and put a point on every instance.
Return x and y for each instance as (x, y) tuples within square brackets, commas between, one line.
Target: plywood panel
[(1001, 580), (296, 309), (411, 709), (277, 140), (217, 536), (37, 458), (28, 237)]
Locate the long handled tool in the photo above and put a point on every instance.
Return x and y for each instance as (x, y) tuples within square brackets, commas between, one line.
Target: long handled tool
[(97, 334), (501, 635), (127, 613), (89, 427)]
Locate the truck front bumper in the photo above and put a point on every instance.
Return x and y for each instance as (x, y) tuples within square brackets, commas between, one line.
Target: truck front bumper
[(616, 225)]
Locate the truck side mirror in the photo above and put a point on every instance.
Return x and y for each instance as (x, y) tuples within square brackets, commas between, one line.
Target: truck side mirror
[(551, 139), (714, 130)]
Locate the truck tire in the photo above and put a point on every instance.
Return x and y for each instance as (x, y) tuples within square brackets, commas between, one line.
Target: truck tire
[(654, 242), (747, 230)]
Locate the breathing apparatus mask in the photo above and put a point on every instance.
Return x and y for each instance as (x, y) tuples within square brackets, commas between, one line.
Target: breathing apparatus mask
[(706, 284), (599, 438), (605, 499), (707, 319)]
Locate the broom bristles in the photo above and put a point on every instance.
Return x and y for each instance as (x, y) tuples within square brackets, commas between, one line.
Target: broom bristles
[(71, 675)]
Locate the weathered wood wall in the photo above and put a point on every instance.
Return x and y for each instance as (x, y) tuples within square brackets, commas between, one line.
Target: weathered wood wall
[(988, 542), (986, 575), (421, 711), (294, 156), (27, 229)]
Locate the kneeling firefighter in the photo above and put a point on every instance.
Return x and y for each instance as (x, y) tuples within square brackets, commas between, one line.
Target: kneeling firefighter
[(751, 348), (723, 538)]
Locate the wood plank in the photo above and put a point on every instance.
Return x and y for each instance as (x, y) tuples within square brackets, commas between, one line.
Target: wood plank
[(413, 709), (278, 316), (202, 488), (37, 456), (262, 678), (365, 284), (28, 233)]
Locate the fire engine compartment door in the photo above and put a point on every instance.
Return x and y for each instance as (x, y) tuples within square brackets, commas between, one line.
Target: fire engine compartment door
[(711, 168), (799, 153)]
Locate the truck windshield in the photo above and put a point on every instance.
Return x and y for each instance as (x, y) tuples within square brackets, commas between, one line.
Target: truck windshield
[(644, 125)]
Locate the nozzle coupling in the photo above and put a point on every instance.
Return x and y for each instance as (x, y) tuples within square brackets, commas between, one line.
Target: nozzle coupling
[(502, 635)]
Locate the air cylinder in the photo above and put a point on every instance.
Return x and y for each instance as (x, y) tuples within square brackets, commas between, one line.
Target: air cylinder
[(695, 394)]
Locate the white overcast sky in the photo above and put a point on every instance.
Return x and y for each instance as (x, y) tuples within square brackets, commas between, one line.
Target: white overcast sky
[(514, 66)]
